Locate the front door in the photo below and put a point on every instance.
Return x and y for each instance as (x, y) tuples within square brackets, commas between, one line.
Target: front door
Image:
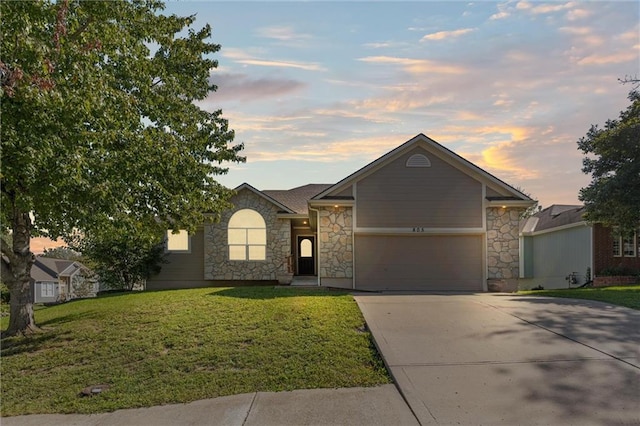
[(306, 255)]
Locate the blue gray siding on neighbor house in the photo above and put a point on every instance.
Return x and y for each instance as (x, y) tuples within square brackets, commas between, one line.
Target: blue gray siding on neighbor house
[(551, 256), (439, 196), (36, 288)]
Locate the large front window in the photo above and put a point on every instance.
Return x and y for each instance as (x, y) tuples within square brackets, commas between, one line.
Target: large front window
[(247, 236)]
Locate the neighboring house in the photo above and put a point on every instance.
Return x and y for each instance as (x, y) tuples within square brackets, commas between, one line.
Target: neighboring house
[(418, 218), (57, 280), (557, 242)]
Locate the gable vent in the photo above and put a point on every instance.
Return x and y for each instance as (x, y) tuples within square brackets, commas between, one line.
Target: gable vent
[(418, 160)]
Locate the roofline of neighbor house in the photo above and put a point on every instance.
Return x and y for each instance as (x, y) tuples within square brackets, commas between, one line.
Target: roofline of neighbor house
[(555, 229)]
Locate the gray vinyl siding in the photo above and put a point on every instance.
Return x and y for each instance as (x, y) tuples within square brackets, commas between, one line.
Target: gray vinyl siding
[(489, 192), (37, 292), (425, 263), (181, 268), (348, 192), (554, 255), (440, 196)]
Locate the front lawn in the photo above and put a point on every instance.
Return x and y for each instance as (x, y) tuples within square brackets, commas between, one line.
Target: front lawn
[(628, 296), (163, 347)]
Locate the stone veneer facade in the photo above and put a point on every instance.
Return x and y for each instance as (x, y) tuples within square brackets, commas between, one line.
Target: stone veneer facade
[(335, 231), (217, 265), (503, 253)]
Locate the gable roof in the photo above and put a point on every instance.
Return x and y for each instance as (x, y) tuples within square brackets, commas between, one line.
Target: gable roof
[(555, 216), (265, 196), (48, 269), (439, 150), (297, 198)]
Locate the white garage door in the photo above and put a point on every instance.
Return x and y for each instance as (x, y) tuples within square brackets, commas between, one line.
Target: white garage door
[(450, 263)]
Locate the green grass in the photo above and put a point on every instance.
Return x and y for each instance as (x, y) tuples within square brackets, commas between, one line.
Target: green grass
[(177, 346), (628, 296)]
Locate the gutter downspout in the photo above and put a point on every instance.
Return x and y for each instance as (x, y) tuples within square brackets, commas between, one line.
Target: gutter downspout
[(317, 239)]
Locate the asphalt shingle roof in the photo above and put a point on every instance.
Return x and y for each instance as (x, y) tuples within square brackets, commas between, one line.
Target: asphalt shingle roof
[(297, 198), (553, 217)]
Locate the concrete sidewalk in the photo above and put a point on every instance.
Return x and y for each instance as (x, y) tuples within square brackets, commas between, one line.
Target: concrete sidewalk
[(496, 359), (380, 405)]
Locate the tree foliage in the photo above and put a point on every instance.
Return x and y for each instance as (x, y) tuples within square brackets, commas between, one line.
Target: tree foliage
[(100, 129), (613, 160), (123, 258), (62, 252)]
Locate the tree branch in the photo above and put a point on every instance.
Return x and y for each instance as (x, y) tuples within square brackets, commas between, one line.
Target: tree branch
[(7, 252), (6, 271)]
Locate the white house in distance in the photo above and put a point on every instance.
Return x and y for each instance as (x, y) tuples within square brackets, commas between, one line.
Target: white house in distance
[(58, 280)]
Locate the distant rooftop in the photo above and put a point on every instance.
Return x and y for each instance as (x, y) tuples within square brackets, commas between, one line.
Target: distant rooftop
[(554, 216)]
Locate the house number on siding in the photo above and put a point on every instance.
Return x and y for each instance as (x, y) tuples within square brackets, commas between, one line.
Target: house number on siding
[(418, 229)]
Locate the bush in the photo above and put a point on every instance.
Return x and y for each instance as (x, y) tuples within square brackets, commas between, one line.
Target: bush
[(4, 293), (616, 271)]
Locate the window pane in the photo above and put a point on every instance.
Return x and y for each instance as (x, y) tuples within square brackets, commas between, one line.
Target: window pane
[(616, 246), (629, 246), (237, 252), (237, 236), (305, 248), (257, 236), (246, 218), (177, 242), (257, 253)]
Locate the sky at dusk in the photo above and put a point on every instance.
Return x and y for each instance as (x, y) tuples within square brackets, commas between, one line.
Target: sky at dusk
[(317, 90)]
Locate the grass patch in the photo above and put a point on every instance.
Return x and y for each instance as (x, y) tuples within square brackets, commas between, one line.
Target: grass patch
[(177, 346), (627, 296)]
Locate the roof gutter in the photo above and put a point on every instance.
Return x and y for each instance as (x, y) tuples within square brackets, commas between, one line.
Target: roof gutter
[(317, 239)]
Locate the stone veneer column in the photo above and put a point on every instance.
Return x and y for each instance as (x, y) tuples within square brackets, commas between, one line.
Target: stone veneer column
[(335, 231), (503, 254), (217, 265)]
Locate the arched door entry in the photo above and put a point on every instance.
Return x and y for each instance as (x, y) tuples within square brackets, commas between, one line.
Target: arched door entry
[(306, 255)]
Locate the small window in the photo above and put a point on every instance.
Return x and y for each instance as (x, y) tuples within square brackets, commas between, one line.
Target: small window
[(47, 289), (617, 246), (247, 236), (306, 248), (178, 242), (629, 246), (418, 160)]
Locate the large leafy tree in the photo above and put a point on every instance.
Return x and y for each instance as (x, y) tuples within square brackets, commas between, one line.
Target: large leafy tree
[(100, 129), (613, 160)]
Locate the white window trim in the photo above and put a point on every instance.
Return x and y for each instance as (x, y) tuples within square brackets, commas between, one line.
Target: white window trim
[(45, 287), (247, 245), (619, 239), (166, 244), (633, 246)]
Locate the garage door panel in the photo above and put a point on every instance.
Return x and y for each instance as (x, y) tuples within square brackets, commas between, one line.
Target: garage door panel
[(419, 262)]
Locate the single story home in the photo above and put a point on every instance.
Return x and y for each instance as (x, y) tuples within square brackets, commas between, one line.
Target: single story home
[(58, 280), (558, 244), (418, 218)]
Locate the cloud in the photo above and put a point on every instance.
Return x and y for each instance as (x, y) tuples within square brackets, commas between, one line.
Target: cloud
[(613, 58), (284, 33), (543, 8), (416, 66), (363, 148), (442, 35), (241, 57), (241, 87), (378, 45)]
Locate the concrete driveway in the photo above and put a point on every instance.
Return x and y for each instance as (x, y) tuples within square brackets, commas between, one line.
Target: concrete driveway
[(492, 359)]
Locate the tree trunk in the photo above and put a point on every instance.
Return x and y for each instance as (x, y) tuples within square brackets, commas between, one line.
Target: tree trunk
[(17, 275)]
